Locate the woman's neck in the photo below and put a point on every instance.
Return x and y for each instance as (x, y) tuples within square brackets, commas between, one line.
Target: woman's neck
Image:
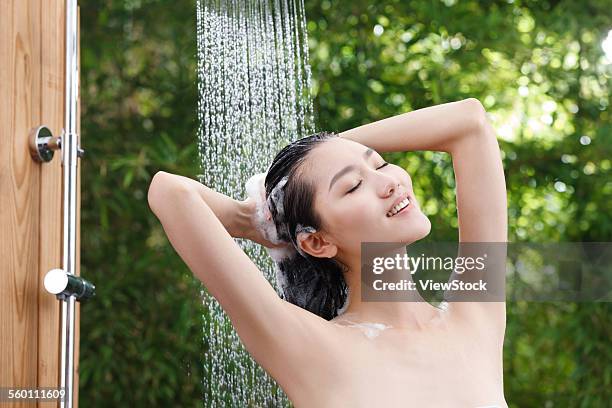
[(412, 312), (397, 314)]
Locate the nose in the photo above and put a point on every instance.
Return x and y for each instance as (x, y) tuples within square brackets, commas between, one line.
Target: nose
[(389, 187)]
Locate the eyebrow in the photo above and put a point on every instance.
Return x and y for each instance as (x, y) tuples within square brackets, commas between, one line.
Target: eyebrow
[(348, 168)]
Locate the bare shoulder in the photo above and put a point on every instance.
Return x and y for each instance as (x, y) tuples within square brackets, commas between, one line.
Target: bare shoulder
[(307, 348)]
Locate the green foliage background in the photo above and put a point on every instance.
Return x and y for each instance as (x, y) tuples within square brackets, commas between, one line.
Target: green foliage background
[(537, 66)]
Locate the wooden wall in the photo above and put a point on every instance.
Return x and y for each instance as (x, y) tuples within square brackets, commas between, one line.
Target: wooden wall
[(32, 73)]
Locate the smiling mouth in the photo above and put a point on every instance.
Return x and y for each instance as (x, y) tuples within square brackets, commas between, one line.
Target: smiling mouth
[(405, 203)]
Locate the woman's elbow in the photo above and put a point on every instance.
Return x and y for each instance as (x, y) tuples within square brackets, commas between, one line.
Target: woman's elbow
[(163, 186), (479, 118), (156, 187)]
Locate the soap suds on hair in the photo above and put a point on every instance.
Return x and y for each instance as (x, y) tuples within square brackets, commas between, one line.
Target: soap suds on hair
[(301, 229), (277, 196), (256, 190), (345, 306)]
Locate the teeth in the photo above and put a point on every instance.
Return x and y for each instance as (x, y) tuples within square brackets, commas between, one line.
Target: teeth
[(397, 208)]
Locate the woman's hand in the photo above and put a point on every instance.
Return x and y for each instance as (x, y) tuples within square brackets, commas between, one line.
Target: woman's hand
[(250, 231)]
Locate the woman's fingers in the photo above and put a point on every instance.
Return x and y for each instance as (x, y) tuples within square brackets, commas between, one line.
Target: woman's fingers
[(256, 234)]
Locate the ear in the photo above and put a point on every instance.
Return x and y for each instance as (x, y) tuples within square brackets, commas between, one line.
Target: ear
[(316, 245)]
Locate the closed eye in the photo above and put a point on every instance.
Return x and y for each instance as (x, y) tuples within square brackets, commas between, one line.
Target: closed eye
[(358, 184)]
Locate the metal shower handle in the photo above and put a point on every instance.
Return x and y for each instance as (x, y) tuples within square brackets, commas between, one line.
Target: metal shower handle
[(64, 285)]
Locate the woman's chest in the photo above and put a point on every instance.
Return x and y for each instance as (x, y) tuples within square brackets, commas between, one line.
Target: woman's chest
[(415, 371)]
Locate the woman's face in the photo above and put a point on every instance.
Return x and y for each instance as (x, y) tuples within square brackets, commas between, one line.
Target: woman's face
[(355, 192)]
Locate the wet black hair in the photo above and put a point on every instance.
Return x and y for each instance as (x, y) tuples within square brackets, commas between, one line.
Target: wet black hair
[(312, 283)]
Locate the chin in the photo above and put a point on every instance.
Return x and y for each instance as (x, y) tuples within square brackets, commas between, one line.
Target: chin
[(417, 231), (426, 227)]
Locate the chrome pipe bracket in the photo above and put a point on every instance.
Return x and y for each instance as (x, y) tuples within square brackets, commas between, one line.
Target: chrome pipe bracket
[(43, 144)]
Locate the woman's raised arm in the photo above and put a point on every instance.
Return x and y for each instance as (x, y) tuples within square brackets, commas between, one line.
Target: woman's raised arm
[(233, 214), (435, 128), (279, 335)]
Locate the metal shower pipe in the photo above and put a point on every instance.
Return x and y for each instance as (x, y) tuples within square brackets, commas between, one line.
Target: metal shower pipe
[(64, 283), (69, 161)]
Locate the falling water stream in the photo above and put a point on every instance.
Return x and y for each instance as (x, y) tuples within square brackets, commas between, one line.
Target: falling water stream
[(254, 98)]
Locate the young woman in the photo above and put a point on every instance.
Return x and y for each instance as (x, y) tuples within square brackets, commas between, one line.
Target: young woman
[(326, 194)]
